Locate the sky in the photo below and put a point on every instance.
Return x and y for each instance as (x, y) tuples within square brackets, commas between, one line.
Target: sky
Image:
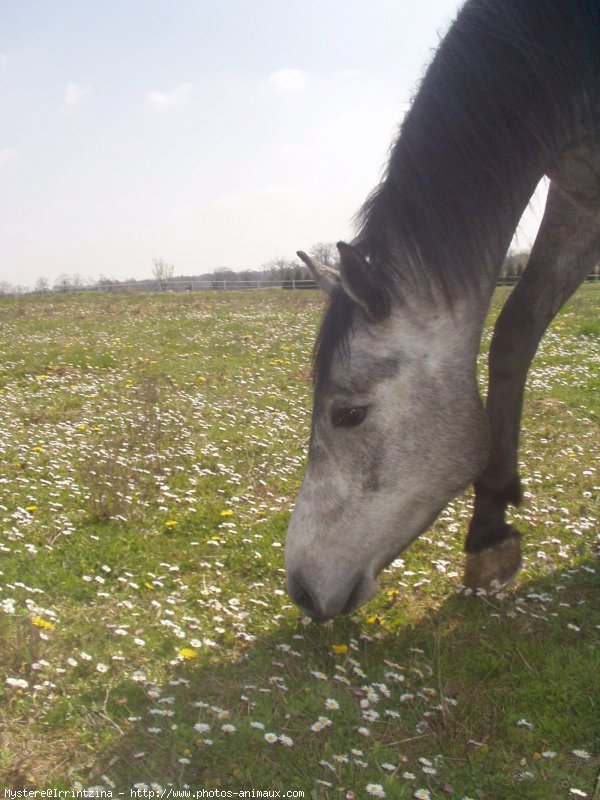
[(208, 134)]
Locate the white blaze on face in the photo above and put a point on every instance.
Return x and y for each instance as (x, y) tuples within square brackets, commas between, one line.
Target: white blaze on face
[(371, 488)]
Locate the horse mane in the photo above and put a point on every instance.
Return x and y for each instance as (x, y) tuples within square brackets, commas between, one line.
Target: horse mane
[(510, 81)]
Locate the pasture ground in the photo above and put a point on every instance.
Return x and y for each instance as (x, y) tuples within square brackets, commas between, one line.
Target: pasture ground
[(152, 447)]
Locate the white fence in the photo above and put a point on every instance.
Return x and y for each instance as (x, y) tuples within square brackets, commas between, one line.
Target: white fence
[(199, 285)]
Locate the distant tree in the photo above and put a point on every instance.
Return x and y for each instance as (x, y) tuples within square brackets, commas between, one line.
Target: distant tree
[(325, 252), (6, 288), (105, 283), (162, 271), (42, 285), (221, 275), (62, 283), (286, 270)]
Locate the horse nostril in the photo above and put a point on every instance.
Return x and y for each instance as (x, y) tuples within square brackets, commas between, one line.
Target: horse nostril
[(354, 597), (321, 608), (301, 595)]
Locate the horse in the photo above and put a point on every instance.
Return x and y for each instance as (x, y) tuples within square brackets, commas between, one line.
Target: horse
[(398, 428)]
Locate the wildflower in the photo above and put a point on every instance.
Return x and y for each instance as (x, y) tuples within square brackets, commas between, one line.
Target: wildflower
[(340, 648), (18, 683), (8, 605), (581, 753), (422, 794), (331, 704), (31, 509), (548, 754), (523, 723), (42, 623), (318, 675), (388, 767), (187, 654), (363, 731), (201, 727), (285, 740), (102, 667), (370, 716), (258, 725), (408, 776), (578, 792), (170, 523), (227, 513), (228, 728), (375, 789), (271, 738)]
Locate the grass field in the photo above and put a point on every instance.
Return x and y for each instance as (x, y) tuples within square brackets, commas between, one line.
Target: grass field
[(152, 447)]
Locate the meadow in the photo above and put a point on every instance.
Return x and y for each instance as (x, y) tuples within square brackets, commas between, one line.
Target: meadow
[(152, 447)]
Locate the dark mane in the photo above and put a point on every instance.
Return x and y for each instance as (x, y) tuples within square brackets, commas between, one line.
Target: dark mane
[(333, 333), (505, 86), (509, 82)]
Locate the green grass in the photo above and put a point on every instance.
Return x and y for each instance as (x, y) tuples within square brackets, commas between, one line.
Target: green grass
[(152, 449)]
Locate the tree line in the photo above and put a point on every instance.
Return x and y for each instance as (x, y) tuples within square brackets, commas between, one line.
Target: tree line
[(283, 271)]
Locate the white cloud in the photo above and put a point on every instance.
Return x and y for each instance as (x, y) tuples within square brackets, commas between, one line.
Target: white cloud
[(178, 97), (7, 154), (74, 94), (288, 80)]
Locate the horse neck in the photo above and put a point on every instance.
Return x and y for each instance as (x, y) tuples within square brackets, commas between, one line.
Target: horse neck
[(497, 104)]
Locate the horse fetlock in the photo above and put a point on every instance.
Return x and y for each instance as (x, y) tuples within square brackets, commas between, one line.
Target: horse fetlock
[(492, 568)]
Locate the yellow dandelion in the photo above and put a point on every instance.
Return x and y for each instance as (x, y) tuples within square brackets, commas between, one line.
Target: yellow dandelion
[(39, 622), (202, 378), (31, 509), (187, 653), (170, 523), (339, 648), (149, 585), (227, 513)]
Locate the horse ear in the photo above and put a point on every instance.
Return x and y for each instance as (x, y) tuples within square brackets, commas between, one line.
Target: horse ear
[(358, 282), (327, 279)]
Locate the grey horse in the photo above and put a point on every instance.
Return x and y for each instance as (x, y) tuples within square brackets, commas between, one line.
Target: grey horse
[(398, 427)]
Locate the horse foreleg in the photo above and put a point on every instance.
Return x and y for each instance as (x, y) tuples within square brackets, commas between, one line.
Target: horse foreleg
[(565, 250)]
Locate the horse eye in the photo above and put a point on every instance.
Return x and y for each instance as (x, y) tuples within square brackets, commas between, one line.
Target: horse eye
[(348, 417)]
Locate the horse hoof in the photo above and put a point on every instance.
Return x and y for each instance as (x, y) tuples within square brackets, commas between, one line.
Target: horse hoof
[(494, 567)]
